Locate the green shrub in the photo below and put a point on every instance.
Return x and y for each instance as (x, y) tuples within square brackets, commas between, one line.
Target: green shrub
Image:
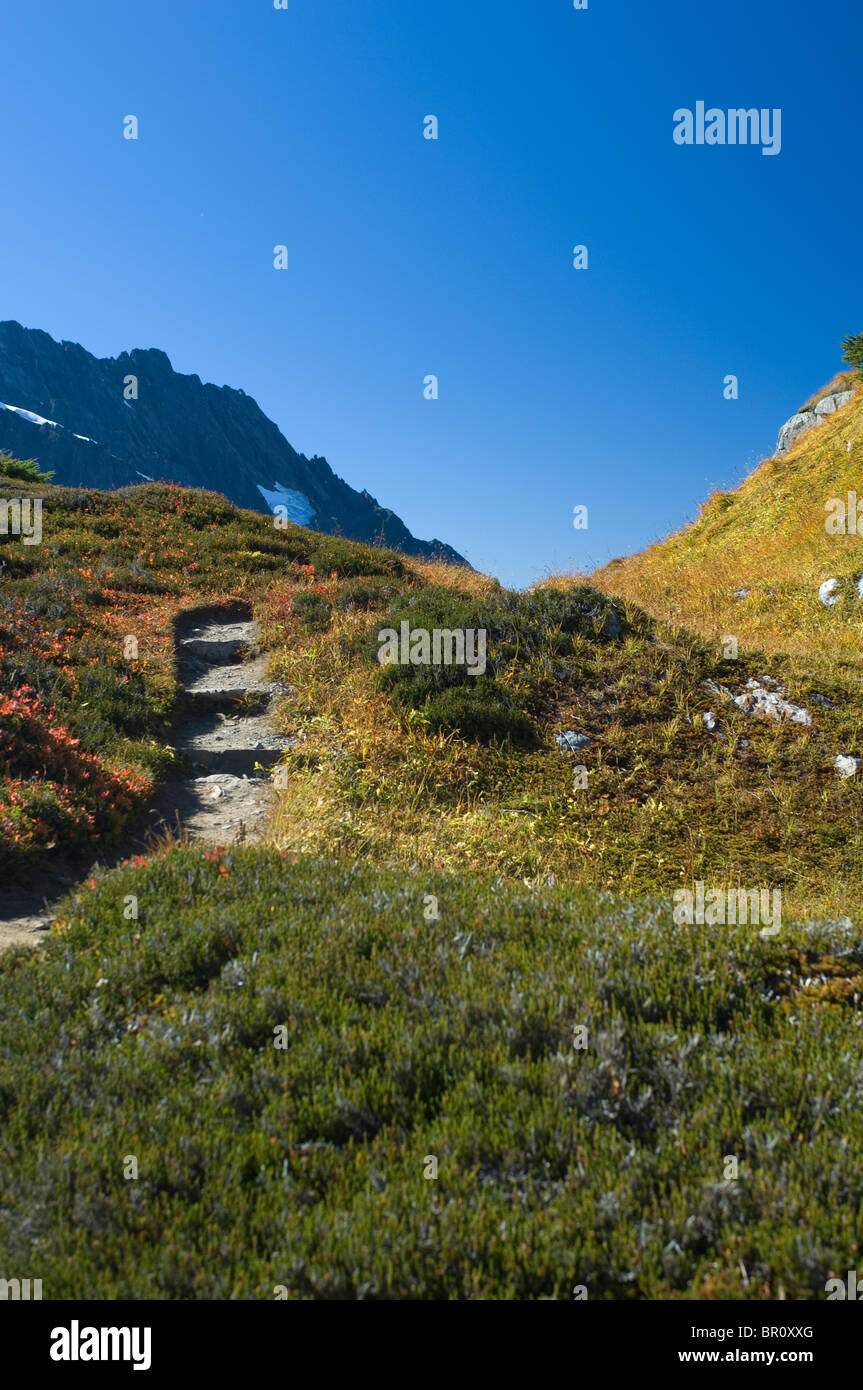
[(350, 559), (314, 612), (405, 1038), (360, 594), (22, 470), (852, 351), (478, 712), (531, 648)]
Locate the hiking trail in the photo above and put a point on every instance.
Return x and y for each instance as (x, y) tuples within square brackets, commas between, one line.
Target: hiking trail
[(223, 730)]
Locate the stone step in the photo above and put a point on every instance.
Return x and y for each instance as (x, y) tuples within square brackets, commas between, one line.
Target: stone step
[(228, 697), (235, 762)]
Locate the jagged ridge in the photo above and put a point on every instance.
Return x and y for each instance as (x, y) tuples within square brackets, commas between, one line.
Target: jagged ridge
[(179, 430)]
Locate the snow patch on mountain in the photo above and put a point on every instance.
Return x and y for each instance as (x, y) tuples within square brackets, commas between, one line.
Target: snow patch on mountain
[(298, 507), (41, 420), (31, 416)]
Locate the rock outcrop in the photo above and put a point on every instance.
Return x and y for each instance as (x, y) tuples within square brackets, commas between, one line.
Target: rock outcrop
[(82, 417), (765, 698), (806, 420)]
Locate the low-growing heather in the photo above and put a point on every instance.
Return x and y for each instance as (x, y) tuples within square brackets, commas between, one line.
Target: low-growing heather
[(286, 1052), (533, 646), (313, 611), (51, 791)]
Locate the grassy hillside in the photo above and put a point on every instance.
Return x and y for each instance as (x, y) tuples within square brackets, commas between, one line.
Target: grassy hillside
[(418, 765), (382, 768), (84, 724), (767, 537), (446, 895)]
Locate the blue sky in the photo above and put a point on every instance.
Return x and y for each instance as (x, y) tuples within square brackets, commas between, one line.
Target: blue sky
[(408, 257)]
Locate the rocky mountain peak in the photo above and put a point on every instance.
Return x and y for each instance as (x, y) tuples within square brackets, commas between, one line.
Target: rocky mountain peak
[(112, 421)]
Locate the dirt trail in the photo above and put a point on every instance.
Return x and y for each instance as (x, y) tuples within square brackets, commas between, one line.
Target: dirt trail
[(224, 730)]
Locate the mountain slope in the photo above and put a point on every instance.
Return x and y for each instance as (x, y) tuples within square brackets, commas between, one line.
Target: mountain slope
[(416, 765), (69, 409), (753, 562), (305, 1025)]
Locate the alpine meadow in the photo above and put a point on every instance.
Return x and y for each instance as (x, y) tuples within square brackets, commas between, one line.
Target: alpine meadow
[(432, 871)]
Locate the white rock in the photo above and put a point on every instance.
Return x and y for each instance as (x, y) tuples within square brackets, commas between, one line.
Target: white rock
[(847, 765), (793, 428), (828, 405), (571, 741), (827, 592), (772, 704)]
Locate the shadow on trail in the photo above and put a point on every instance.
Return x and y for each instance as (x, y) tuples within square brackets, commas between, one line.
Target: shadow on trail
[(223, 735)]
